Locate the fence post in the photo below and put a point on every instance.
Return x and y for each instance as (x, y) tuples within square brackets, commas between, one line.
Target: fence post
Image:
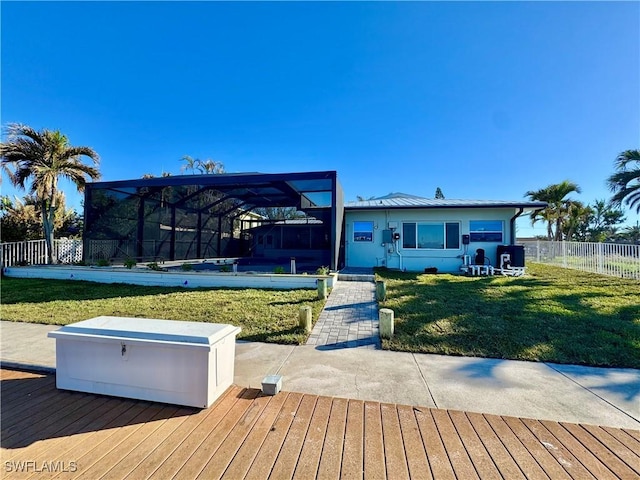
[(600, 258), (538, 251), (564, 254)]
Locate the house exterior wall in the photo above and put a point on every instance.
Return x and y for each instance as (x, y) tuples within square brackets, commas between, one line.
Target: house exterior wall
[(360, 252)]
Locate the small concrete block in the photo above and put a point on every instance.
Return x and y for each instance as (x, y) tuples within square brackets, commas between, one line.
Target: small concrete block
[(271, 384)]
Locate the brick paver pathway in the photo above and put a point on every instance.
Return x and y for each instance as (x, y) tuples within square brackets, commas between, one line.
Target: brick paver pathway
[(349, 318)]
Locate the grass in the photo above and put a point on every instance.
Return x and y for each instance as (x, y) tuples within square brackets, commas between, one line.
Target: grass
[(551, 314), (264, 315)]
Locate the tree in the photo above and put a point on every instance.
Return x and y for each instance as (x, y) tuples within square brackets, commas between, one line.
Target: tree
[(632, 234), (604, 217), (625, 183), (20, 219), (439, 194), (557, 211), (207, 167), (41, 158), (576, 224)]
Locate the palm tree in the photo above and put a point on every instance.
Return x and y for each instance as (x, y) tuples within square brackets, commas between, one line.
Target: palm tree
[(41, 158), (632, 233), (625, 183), (558, 206)]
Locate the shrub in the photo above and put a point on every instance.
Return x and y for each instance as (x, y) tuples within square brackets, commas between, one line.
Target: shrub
[(155, 266), (103, 262), (186, 267), (322, 271), (129, 263), (225, 268), (278, 270)]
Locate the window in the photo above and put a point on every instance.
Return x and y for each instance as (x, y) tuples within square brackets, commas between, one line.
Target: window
[(432, 235), (363, 231), (486, 230)]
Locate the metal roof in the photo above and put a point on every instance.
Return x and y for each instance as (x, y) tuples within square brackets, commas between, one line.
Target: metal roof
[(403, 200)]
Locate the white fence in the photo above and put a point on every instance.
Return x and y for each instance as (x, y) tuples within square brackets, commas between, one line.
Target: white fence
[(34, 252), (613, 259)]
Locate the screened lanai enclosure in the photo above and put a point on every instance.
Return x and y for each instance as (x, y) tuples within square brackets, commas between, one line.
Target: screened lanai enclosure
[(251, 217)]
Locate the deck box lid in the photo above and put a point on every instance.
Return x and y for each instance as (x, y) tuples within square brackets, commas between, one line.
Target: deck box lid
[(149, 329)]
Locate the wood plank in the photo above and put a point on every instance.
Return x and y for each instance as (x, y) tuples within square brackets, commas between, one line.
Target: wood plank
[(629, 457), (302, 436), (624, 438), (312, 448), (458, 455), (499, 454), (394, 456), (150, 436), (40, 441), (190, 428), (478, 454), (374, 463), (634, 433), (207, 442), (38, 393), (597, 448), (47, 416), (582, 454), (547, 461), (266, 457), (439, 463), (520, 454), (249, 449), (24, 381), (98, 461), (555, 448), (353, 450), (417, 462), (179, 456), (6, 374), (99, 441), (67, 448), (229, 445), (287, 459), (331, 459)]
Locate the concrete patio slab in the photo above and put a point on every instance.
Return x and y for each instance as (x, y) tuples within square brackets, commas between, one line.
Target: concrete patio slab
[(617, 386), (359, 372), (508, 387)]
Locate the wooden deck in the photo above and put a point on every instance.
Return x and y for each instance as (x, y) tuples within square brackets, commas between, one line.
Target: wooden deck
[(51, 433)]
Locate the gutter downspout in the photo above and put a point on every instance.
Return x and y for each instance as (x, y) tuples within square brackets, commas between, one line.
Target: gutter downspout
[(512, 225)]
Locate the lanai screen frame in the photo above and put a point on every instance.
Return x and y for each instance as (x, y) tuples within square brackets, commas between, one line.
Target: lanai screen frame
[(319, 194)]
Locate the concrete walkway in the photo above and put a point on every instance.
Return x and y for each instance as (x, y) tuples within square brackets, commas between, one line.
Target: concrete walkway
[(567, 393)]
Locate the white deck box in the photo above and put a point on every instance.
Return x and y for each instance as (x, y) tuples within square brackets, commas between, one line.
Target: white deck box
[(183, 363)]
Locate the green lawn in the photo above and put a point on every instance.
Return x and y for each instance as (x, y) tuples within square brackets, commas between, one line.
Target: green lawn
[(551, 314), (264, 315)]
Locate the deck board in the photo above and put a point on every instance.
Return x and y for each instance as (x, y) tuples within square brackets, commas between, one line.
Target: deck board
[(266, 457), (478, 454), (352, 461), (290, 452), (309, 461), (331, 459), (417, 462), (290, 435)]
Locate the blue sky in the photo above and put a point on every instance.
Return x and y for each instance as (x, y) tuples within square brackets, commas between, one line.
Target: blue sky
[(484, 100)]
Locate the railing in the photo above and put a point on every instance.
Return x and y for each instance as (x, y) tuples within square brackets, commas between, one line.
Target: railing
[(34, 252), (618, 260)]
